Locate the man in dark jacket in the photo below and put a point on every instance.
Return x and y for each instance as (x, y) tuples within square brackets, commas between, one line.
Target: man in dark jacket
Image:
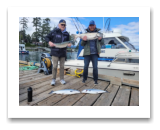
[(58, 35), (92, 49)]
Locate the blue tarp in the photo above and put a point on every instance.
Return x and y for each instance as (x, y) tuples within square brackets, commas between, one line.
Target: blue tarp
[(80, 47), (99, 59)]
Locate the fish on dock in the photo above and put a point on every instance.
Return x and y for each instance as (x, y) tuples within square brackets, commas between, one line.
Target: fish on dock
[(63, 44), (65, 91), (93, 91), (90, 36)]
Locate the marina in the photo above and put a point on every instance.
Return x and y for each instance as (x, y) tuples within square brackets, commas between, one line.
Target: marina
[(119, 94), (117, 67)]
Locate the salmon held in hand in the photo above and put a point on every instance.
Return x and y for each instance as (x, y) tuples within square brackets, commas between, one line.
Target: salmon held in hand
[(90, 36)]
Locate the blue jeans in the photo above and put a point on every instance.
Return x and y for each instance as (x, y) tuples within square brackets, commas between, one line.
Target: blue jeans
[(94, 59)]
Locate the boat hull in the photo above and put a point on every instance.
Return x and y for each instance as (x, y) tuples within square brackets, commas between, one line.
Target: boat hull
[(23, 52), (127, 71), (134, 75)]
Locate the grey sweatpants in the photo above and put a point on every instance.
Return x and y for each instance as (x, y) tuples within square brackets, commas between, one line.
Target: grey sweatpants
[(55, 65)]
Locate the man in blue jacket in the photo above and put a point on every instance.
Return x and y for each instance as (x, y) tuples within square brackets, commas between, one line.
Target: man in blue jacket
[(92, 50), (58, 35)]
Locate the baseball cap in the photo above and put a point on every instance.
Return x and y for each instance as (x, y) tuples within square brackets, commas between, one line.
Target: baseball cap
[(62, 21), (92, 22)]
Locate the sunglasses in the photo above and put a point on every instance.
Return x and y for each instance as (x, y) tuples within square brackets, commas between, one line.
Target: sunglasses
[(63, 25), (91, 25)]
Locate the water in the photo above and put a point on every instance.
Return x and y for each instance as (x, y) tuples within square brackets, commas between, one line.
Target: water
[(36, 56)]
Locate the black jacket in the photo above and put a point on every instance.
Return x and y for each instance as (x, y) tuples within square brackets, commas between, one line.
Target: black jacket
[(56, 36)]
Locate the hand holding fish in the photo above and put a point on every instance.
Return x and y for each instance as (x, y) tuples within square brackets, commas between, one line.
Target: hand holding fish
[(99, 38), (51, 44), (69, 45), (85, 38)]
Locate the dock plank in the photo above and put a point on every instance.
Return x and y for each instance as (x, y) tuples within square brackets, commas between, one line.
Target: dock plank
[(56, 98), (43, 96), (89, 99), (71, 99), (122, 97), (38, 85), (34, 81), (41, 89), (23, 62), (130, 82), (106, 98), (134, 101), (27, 71), (28, 75), (31, 78)]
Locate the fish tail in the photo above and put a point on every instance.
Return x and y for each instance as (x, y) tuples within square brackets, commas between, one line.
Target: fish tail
[(51, 92), (74, 36), (107, 91)]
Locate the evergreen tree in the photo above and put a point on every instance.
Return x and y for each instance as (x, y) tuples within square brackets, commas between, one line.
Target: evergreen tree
[(28, 37), (36, 23), (22, 36), (23, 22), (44, 30), (33, 38)]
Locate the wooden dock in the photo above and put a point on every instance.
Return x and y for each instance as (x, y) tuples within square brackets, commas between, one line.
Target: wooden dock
[(120, 95)]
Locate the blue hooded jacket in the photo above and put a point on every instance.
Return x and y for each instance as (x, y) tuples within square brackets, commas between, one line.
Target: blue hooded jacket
[(58, 36)]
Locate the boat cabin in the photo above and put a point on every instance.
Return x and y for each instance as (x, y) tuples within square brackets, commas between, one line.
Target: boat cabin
[(114, 42), (21, 47)]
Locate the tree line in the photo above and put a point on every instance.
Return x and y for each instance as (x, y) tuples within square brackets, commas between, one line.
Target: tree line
[(42, 28)]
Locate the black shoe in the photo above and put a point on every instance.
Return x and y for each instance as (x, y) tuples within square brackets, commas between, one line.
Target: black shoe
[(95, 83), (83, 81)]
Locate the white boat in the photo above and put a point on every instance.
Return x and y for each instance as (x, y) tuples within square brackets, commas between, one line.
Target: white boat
[(118, 58), (115, 43), (22, 49)]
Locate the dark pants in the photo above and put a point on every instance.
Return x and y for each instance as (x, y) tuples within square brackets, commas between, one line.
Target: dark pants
[(94, 59)]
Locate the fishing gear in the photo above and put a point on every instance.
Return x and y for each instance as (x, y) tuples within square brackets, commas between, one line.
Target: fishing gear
[(108, 24), (78, 24), (81, 24), (74, 24), (45, 64)]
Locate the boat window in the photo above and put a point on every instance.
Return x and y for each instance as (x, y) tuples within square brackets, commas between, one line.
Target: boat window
[(132, 60), (120, 60), (112, 43), (129, 45)]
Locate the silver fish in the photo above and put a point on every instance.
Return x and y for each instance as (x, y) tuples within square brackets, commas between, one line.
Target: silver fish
[(90, 36), (63, 44), (65, 91), (93, 91)]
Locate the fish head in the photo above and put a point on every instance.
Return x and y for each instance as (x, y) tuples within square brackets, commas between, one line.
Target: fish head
[(84, 91), (74, 36)]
